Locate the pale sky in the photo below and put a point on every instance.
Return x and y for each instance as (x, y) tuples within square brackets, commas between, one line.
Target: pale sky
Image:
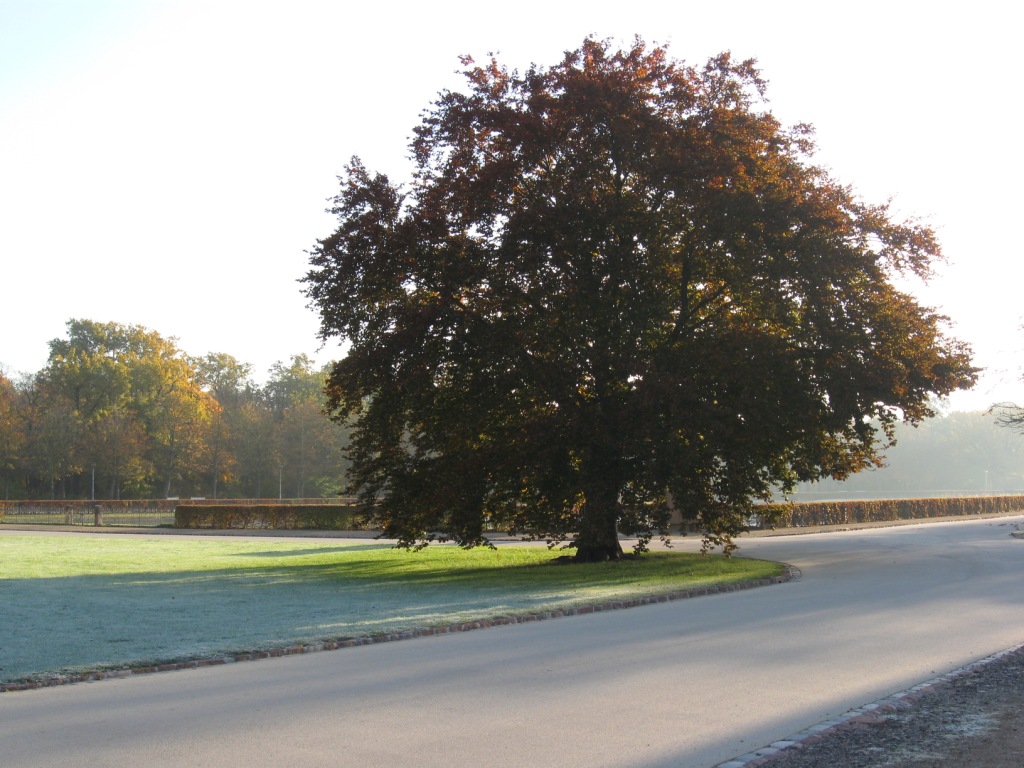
[(167, 163)]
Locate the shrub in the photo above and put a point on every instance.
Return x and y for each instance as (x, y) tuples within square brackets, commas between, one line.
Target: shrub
[(801, 514), (331, 517)]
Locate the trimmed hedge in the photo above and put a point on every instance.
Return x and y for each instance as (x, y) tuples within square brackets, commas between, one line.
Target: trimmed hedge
[(801, 514), (326, 517)]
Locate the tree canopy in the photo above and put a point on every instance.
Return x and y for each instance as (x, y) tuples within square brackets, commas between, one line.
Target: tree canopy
[(614, 289), (120, 411)]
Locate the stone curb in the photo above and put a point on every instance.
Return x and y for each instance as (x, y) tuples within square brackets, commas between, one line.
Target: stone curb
[(789, 574), (860, 717)]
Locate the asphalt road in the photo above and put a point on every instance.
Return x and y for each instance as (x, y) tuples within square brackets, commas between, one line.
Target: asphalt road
[(688, 684)]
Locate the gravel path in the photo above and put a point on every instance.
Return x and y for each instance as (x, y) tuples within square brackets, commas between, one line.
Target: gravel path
[(974, 717)]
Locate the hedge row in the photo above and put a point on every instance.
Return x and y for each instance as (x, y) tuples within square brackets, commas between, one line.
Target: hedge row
[(879, 511), (327, 517)]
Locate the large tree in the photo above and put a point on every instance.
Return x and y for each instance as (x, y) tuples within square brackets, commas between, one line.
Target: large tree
[(309, 446), (616, 287), (12, 432), (132, 392), (229, 382)]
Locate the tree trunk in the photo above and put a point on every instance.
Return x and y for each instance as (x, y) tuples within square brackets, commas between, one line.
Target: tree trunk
[(598, 537), (597, 541)]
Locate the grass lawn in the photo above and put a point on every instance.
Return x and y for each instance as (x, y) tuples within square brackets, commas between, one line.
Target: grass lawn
[(72, 604)]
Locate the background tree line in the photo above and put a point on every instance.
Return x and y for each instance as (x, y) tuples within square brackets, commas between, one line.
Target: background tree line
[(953, 454), (121, 412)]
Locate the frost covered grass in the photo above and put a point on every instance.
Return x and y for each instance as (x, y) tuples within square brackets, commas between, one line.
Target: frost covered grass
[(72, 604)]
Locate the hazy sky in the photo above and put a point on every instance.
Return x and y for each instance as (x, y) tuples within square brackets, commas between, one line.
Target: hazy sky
[(167, 164)]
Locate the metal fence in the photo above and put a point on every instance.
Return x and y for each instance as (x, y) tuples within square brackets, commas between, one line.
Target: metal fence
[(143, 513), (59, 513)]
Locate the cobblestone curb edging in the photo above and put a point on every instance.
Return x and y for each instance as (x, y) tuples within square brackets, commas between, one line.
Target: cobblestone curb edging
[(789, 574), (867, 715)]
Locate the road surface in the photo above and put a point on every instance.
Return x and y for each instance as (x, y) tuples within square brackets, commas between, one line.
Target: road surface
[(687, 684)]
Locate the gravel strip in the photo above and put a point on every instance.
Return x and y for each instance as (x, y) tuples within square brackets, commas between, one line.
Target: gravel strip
[(971, 717)]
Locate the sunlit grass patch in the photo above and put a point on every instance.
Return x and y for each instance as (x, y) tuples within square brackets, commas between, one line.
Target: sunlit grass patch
[(74, 602)]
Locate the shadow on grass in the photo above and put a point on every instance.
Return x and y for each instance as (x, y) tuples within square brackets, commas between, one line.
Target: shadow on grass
[(315, 550)]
